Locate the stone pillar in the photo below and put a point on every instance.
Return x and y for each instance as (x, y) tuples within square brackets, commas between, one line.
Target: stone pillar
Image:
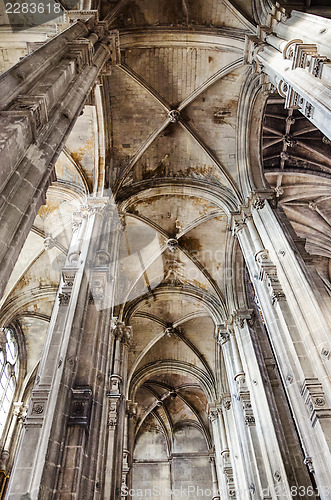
[(216, 492), (61, 446), (117, 412), (222, 462), (41, 97), (297, 325), (299, 70)]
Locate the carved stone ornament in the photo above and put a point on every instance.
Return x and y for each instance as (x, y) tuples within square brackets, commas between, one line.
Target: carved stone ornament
[(64, 299), (226, 402), (113, 411), (222, 335), (313, 395), (174, 115), (37, 409), (123, 332)]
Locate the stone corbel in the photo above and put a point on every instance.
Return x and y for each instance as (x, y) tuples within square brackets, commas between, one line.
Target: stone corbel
[(222, 334), (80, 406), (68, 277), (314, 397), (212, 413), (228, 472), (305, 56), (226, 402), (242, 315), (258, 198), (20, 410), (131, 409), (96, 205), (123, 332), (115, 385), (98, 287), (277, 15), (64, 298)]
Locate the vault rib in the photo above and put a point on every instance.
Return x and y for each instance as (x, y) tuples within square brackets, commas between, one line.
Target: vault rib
[(138, 154), (140, 81), (211, 81), (197, 222), (184, 400), (211, 155), (195, 261), (115, 11)]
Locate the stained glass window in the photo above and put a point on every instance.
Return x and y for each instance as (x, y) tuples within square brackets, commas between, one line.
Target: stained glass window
[(8, 373)]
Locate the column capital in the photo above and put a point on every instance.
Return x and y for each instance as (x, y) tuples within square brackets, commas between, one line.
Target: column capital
[(242, 315), (122, 332), (222, 334)]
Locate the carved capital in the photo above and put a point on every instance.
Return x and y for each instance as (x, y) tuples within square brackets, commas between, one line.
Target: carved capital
[(222, 335), (122, 332)]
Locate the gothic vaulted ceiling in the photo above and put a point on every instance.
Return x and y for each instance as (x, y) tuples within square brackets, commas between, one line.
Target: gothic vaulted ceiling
[(160, 133)]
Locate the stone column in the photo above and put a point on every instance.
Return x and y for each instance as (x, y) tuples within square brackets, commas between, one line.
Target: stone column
[(65, 417), (222, 462), (297, 327), (41, 98), (117, 412), (299, 69)]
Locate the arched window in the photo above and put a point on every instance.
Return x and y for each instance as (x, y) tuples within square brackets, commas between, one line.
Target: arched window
[(8, 373)]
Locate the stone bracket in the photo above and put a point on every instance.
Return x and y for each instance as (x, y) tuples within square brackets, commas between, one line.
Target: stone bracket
[(242, 315), (314, 397), (80, 406)]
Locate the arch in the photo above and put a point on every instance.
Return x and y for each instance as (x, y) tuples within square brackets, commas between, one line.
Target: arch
[(221, 196), (173, 366), (216, 309)]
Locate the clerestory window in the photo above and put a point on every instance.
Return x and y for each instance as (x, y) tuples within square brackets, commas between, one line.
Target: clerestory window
[(8, 373)]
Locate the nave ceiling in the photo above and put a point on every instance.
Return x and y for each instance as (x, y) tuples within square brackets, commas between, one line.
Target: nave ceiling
[(161, 134)]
